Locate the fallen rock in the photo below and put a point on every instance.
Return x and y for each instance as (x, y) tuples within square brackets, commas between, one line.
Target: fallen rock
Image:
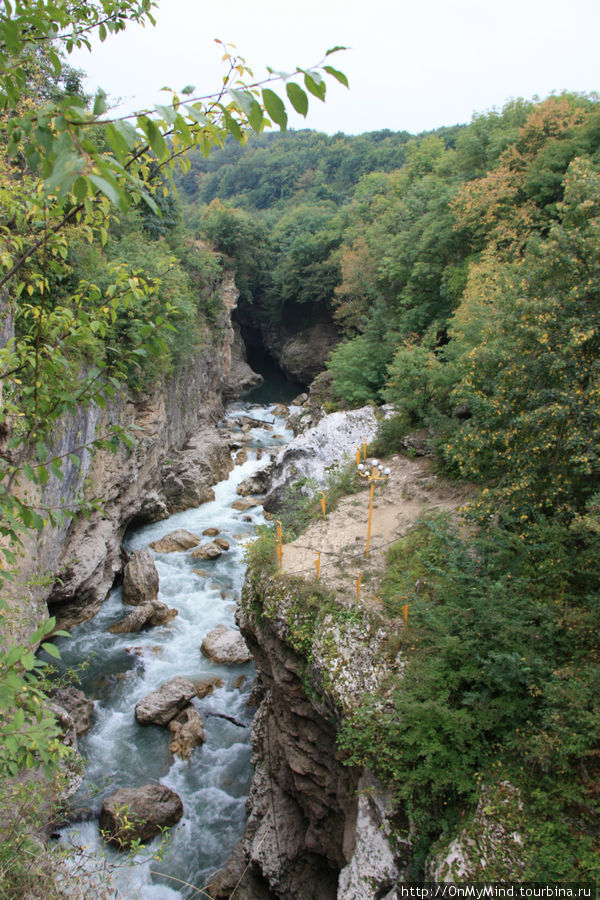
[(246, 503), (222, 543), (206, 687), (162, 613), (77, 705), (225, 645), (211, 532), (188, 731), (241, 456), (147, 809), (135, 621), (155, 613), (255, 484), (207, 551), (176, 541), (140, 579), (163, 704)]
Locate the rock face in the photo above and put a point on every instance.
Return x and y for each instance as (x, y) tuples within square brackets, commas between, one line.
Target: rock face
[(178, 453), (225, 645), (77, 705), (310, 834), (167, 701), (311, 454), (148, 809), (300, 352), (176, 541), (140, 579)]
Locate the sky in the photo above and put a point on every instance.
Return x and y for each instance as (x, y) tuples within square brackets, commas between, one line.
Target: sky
[(411, 65)]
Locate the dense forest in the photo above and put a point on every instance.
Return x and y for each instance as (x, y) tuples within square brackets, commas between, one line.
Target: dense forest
[(461, 269)]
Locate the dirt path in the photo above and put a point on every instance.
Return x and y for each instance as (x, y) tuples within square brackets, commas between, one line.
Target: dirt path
[(411, 490)]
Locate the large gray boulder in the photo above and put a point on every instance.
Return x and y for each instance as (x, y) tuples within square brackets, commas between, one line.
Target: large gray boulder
[(167, 701), (140, 578), (176, 541), (139, 813), (225, 645), (332, 442)]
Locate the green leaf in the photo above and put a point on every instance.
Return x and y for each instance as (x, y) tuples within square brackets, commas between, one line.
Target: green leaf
[(232, 126), (336, 74), (297, 98), (51, 650), (154, 135), (108, 189), (275, 108), (335, 50), (188, 89), (315, 85), (99, 102)]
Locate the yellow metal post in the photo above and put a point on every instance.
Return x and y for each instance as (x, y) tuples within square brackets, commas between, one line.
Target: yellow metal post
[(405, 615), (318, 565), (323, 502), (358, 581)]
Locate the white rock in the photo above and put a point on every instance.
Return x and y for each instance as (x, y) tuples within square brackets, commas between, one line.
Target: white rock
[(225, 645)]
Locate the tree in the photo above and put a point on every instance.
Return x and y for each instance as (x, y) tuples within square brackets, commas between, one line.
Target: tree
[(65, 167)]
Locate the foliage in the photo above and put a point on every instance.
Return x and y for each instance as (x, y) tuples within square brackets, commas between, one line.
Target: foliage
[(500, 681), (301, 504)]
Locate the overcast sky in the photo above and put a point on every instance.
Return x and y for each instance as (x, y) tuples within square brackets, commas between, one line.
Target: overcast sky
[(412, 65)]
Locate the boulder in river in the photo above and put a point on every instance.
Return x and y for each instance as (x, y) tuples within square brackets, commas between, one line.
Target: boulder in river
[(160, 706), (207, 551), (187, 729), (246, 503), (206, 687), (255, 484), (176, 541), (139, 813), (225, 645), (222, 543), (155, 613), (140, 579), (211, 532)]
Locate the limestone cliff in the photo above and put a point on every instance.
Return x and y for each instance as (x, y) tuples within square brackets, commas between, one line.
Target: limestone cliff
[(176, 455), (317, 830)]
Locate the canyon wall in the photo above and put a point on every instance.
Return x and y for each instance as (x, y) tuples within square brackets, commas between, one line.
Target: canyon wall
[(176, 455), (316, 829)]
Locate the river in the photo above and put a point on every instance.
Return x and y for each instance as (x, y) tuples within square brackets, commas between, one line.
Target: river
[(122, 669)]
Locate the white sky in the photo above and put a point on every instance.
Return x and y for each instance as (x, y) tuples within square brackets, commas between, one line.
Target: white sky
[(412, 65)]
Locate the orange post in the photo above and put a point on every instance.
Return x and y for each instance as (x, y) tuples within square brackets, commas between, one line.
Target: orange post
[(318, 565), (405, 614), (323, 502), (358, 581), (358, 456)]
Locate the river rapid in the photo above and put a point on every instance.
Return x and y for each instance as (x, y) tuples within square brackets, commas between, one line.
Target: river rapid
[(122, 669)]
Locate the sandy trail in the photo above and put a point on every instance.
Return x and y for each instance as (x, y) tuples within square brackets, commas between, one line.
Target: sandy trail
[(411, 491)]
